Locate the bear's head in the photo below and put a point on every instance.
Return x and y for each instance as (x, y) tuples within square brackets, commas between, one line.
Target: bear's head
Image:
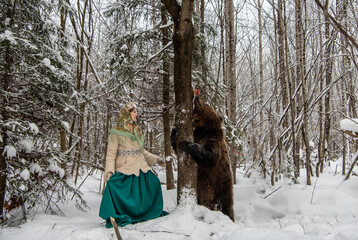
[(205, 116)]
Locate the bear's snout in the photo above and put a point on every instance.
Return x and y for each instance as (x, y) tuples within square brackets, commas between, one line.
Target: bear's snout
[(198, 102)]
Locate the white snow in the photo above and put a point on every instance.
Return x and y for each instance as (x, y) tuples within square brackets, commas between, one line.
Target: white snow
[(66, 125), (75, 94), (349, 125), (166, 25), (34, 128), (326, 210), (10, 151), (53, 167), (26, 144), (25, 174), (35, 168), (7, 21), (8, 36), (47, 63)]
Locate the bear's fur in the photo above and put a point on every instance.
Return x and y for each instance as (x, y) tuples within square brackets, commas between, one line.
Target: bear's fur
[(209, 150)]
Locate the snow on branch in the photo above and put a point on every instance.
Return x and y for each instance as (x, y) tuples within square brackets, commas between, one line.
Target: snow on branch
[(350, 126), (135, 73)]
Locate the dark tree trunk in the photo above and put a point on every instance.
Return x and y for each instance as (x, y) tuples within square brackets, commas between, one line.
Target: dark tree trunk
[(166, 97), (4, 117), (4, 87), (183, 40)]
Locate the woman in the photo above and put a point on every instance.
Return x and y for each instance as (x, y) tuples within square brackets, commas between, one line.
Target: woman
[(133, 193)]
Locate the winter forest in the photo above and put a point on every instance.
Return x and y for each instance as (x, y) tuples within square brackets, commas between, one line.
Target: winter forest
[(282, 74)]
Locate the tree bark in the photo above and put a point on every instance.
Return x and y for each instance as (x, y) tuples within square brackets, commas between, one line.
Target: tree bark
[(346, 80), (231, 71), (261, 87), (328, 80), (80, 68), (261, 67), (183, 40), (321, 142), (276, 165), (166, 102), (63, 134), (5, 86), (300, 59), (221, 51), (204, 63), (281, 59), (4, 117)]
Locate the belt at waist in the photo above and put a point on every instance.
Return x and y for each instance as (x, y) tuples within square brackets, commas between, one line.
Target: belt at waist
[(127, 152)]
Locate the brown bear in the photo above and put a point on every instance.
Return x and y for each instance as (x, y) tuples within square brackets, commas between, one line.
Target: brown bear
[(209, 150)]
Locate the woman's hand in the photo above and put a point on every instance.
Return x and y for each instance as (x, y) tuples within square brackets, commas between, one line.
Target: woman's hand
[(161, 162), (107, 176)]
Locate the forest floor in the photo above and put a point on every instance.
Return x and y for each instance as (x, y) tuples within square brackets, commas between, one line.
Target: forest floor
[(328, 210)]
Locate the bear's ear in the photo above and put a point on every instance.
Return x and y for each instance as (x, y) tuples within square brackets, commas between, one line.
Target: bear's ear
[(221, 119)]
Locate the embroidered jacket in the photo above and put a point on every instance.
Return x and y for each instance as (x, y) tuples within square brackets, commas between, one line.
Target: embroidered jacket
[(125, 154)]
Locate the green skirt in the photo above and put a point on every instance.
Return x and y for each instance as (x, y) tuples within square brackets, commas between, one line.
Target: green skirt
[(131, 199)]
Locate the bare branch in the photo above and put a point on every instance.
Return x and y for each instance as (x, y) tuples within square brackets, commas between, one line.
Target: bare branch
[(335, 23)]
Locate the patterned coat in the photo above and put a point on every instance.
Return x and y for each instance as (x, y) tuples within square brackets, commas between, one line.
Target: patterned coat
[(125, 154)]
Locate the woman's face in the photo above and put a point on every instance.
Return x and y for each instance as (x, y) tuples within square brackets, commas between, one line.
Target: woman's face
[(134, 115)]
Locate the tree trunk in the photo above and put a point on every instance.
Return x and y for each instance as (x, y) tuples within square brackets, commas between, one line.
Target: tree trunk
[(288, 84), (346, 80), (80, 68), (183, 40), (300, 59), (281, 59), (166, 102), (271, 139), (4, 117), (276, 164), (4, 87), (63, 137), (261, 87), (63, 148), (221, 52), (320, 108), (204, 63), (261, 67), (231, 71), (106, 128), (277, 71), (328, 79)]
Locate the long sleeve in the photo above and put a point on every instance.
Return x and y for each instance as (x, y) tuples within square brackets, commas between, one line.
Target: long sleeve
[(111, 153), (150, 158)]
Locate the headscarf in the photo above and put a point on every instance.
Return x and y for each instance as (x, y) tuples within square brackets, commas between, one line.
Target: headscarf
[(127, 127)]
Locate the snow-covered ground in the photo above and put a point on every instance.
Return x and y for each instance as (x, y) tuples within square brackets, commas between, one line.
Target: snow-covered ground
[(326, 210)]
